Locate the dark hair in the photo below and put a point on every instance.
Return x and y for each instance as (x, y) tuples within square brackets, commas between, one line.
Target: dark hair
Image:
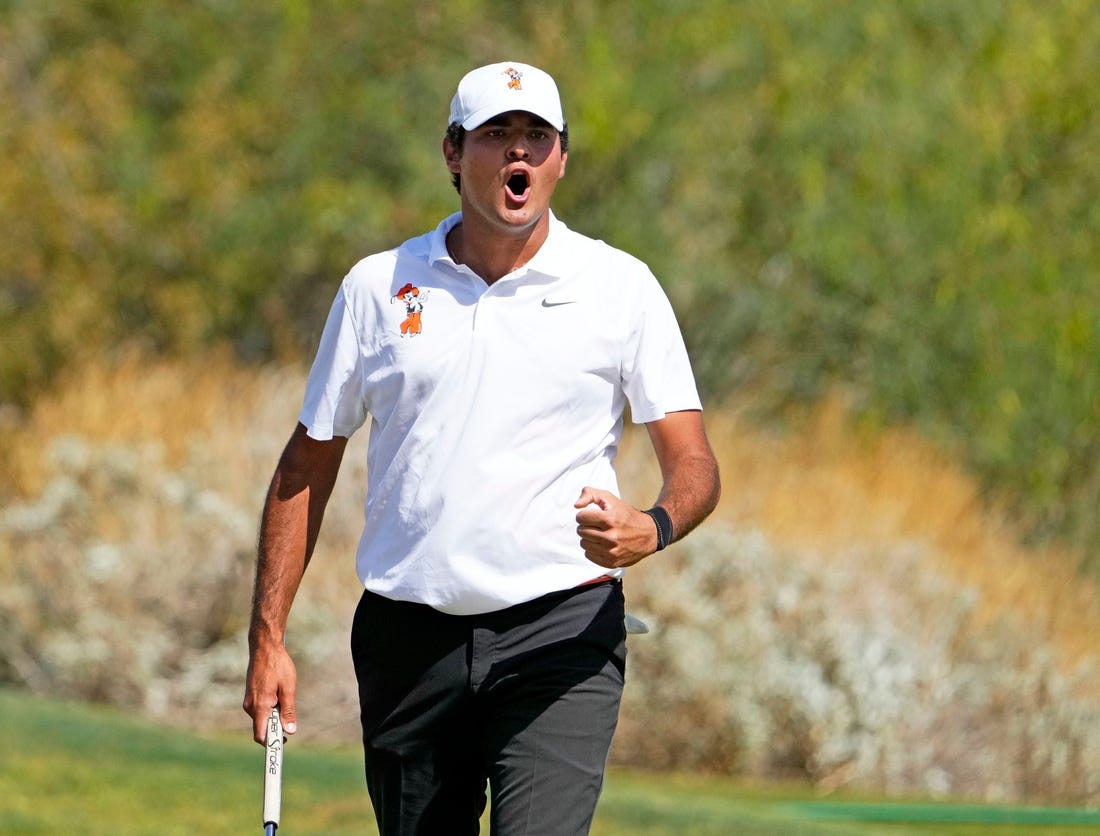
[(457, 135)]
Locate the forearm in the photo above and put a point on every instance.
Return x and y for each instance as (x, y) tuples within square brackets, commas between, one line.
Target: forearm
[(289, 526), (283, 555), (291, 522), (690, 492), (690, 483)]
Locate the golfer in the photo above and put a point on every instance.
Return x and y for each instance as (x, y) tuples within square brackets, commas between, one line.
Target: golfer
[(493, 358)]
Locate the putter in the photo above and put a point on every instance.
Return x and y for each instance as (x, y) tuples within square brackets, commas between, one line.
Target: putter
[(273, 772)]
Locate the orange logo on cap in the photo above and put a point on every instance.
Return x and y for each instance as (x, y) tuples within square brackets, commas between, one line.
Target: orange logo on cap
[(514, 77)]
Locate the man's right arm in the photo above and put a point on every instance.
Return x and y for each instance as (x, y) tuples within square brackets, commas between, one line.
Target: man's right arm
[(291, 521)]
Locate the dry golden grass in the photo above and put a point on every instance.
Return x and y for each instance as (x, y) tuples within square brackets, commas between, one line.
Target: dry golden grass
[(214, 404), (133, 399), (823, 488), (828, 487)]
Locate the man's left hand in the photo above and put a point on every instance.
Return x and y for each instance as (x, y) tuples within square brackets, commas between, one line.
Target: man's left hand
[(613, 533)]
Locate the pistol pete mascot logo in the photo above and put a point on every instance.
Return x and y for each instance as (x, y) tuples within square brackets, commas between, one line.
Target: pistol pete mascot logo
[(514, 77), (414, 307)]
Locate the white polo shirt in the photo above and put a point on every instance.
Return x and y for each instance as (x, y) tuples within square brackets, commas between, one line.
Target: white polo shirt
[(491, 407)]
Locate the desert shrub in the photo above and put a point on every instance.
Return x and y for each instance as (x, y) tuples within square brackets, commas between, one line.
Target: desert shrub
[(126, 562), (124, 581), (867, 670), (127, 581)]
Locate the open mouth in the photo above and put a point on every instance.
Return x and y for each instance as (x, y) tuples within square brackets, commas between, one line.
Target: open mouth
[(517, 185)]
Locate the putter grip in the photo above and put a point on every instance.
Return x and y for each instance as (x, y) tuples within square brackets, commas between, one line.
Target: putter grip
[(273, 768)]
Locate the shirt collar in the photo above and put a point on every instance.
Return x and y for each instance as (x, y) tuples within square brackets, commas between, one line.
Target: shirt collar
[(437, 246), (551, 260)]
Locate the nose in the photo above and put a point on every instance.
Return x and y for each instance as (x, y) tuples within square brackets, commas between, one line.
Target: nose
[(518, 151)]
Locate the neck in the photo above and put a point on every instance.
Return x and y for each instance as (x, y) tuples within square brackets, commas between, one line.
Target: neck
[(489, 253)]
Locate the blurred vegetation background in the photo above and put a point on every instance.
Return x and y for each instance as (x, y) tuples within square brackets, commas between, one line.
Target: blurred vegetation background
[(899, 201), (886, 212)]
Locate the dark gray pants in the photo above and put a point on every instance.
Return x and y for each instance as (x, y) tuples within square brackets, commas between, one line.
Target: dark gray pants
[(525, 700)]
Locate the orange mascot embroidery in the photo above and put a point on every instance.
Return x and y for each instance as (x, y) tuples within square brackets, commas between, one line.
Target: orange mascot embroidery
[(414, 307), (514, 77)]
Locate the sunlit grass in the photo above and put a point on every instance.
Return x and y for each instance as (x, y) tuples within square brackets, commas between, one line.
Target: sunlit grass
[(82, 769)]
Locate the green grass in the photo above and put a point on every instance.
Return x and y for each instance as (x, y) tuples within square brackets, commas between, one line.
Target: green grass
[(92, 770)]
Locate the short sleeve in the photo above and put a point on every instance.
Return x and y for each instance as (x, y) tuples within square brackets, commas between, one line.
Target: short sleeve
[(335, 403), (657, 374)]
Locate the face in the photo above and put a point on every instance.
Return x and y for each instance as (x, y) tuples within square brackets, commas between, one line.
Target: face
[(509, 167)]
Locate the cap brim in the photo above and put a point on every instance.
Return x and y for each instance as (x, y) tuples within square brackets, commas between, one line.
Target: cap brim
[(484, 114)]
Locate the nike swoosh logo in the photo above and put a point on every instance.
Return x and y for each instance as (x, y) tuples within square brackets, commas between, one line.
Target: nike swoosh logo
[(546, 303)]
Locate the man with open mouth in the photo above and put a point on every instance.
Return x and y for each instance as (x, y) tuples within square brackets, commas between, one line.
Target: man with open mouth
[(489, 641)]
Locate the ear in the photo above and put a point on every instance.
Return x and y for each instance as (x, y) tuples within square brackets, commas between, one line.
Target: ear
[(561, 171), (453, 156)]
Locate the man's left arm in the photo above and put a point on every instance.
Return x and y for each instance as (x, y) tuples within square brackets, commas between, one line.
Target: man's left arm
[(615, 534)]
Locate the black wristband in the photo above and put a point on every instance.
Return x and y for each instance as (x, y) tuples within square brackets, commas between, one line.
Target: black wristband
[(664, 525)]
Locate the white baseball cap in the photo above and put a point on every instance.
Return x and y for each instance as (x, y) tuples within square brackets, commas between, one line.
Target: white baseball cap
[(498, 88)]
